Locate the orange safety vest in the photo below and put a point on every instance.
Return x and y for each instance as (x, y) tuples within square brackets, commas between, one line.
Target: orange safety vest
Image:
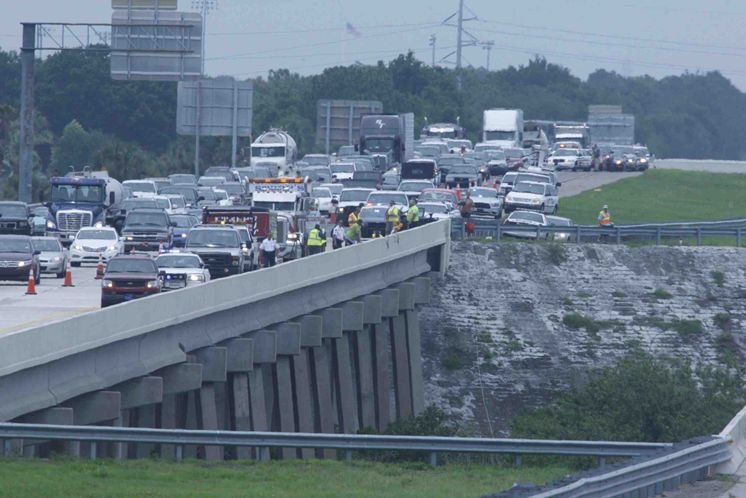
[(604, 218)]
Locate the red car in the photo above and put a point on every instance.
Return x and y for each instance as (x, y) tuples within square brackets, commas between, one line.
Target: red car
[(129, 277)]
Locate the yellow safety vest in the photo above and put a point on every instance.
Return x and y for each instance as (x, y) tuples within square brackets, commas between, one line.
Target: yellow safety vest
[(352, 218), (392, 215), (314, 238), (413, 214)]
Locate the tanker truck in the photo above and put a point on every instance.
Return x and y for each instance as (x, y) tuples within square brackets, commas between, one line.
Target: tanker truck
[(275, 147)]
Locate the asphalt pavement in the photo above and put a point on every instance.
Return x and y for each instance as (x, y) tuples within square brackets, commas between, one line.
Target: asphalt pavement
[(712, 166), (575, 183), (52, 301)]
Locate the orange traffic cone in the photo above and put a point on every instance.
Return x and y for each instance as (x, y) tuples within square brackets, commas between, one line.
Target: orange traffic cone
[(100, 267), (31, 288), (68, 276)]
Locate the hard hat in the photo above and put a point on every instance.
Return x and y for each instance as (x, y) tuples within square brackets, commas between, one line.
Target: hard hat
[(606, 206)]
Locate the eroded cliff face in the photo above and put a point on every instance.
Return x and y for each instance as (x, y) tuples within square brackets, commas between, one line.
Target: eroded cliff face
[(513, 324)]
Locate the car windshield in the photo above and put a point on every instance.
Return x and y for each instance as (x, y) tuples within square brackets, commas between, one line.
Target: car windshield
[(414, 186), (15, 245), (177, 202), (183, 179), (496, 155), (130, 204), (566, 152), (163, 204), (533, 178), (264, 151), (391, 180), (354, 195), (184, 221), (316, 160), (207, 194), (432, 208), (221, 195), (77, 193), (177, 261), (131, 266), (96, 235), (143, 187), (462, 170), (560, 222), (275, 206), (499, 135), (232, 188), (485, 147), (342, 168), (13, 211), (213, 238), (529, 188), (509, 178), (624, 149), (436, 196), (47, 245), (186, 192), (525, 216), (513, 153), (336, 188), (483, 192), (379, 144), (427, 151), (321, 192), (383, 198), (135, 219)]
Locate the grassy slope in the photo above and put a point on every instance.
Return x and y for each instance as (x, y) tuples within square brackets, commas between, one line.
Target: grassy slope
[(663, 195), (276, 479)]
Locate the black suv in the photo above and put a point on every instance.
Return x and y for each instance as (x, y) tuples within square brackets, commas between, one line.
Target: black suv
[(146, 229), (220, 248), (14, 218)]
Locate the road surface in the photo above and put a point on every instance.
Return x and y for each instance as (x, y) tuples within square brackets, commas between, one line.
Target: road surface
[(702, 165), (575, 183)]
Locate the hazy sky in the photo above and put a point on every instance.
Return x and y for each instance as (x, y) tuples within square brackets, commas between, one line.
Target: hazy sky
[(246, 38)]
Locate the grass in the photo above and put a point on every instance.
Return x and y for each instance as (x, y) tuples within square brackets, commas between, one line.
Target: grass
[(39, 478), (663, 195)]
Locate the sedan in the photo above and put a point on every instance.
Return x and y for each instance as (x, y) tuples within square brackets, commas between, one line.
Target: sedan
[(53, 258), (18, 258), (525, 219), (92, 243)]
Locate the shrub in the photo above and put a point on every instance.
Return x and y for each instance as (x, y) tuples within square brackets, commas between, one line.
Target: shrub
[(662, 294), (718, 277), (688, 329)]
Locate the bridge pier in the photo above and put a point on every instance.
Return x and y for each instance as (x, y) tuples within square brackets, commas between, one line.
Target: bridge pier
[(346, 372), (177, 381), (214, 362), (384, 360), (135, 394), (324, 385), (240, 362), (56, 415), (288, 348), (265, 354), (310, 338), (364, 351)]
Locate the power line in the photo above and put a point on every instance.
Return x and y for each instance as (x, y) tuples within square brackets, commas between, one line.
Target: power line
[(323, 29)]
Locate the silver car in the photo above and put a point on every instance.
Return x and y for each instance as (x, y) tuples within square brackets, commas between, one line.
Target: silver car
[(53, 257)]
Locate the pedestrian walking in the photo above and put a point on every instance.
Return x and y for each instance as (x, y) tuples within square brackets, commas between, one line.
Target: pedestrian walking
[(338, 235), (268, 248)]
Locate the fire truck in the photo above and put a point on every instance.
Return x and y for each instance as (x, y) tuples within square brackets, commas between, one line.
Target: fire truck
[(290, 199)]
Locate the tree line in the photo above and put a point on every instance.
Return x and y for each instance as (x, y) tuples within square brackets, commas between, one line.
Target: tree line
[(129, 127)]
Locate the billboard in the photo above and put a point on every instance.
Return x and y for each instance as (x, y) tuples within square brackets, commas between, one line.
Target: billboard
[(216, 105), (144, 4)]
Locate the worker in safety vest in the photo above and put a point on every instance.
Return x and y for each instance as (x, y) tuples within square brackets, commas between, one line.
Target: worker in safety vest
[(354, 233), (354, 216), (392, 217), (316, 241), (604, 218), (413, 214)]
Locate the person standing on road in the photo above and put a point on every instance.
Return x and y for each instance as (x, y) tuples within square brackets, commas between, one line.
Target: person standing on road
[(268, 247), (354, 216), (604, 218), (316, 241), (353, 234), (413, 214), (392, 217), (467, 206), (338, 235)]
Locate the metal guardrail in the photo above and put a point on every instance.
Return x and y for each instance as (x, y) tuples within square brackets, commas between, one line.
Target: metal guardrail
[(648, 478), (593, 234), (345, 442)]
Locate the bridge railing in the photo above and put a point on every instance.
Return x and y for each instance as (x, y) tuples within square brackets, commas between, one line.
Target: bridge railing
[(345, 442), (732, 231)]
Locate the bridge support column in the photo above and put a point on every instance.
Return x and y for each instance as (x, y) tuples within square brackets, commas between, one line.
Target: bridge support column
[(347, 372), (240, 362), (265, 354), (303, 378), (214, 369), (135, 394), (400, 348), (324, 385), (365, 350), (177, 381), (421, 297), (57, 416), (288, 348), (94, 408), (384, 360)]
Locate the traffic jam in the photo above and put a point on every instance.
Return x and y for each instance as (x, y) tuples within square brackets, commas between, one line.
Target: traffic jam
[(151, 235)]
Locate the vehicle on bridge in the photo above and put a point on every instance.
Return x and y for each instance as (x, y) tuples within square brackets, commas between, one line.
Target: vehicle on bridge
[(92, 243), (220, 248), (147, 230), (129, 277), (178, 270), (15, 218), (486, 202), (19, 258), (276, 147), (82, 199), (53, 258), (443, 130)]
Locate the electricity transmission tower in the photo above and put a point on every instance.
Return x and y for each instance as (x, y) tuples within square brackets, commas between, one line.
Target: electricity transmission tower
[(433, 39), (488, 47), (463, 37)]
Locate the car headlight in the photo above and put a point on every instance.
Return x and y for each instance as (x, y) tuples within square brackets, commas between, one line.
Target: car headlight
[(619, 161), (77, 247), (183, 236), (292, 236), (111, 248), (153, 284), (129, 237), (643, 160), (51, 224), (99, 224), (21, 264), (197, 278), (341, 210), (536, 201), (56, 258), (107, 283)]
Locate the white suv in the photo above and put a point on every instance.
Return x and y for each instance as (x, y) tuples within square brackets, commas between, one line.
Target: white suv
[(535, 196)]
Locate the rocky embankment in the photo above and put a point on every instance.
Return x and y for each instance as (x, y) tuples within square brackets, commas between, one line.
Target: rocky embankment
[(513, 324)]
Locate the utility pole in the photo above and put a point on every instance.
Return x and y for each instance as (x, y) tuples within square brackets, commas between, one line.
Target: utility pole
[(205, 7), (433, 39), (463, 37), (488, 47), (26, 138)]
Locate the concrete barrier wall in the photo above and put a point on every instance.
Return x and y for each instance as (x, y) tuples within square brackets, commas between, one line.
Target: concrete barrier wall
[(44, 366)]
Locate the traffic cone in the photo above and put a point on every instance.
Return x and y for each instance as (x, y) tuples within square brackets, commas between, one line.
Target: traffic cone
[(100, 267), (31, 288), (68, 276)]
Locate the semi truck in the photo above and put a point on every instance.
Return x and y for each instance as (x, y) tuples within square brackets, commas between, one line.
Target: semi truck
[(274, 147), (391, 135), (503, 127), (82, 199)]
